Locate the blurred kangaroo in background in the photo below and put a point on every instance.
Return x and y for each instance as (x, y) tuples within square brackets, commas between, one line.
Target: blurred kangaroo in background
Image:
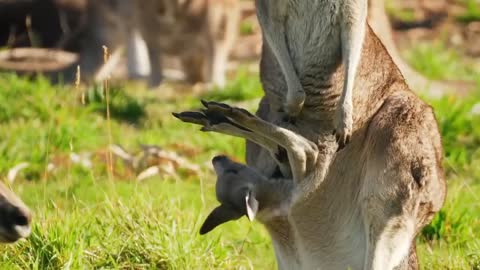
[(201, 33), (358, 208), (15, 216)]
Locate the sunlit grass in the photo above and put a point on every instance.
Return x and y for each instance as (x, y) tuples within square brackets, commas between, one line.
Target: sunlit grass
[(83, 221), (437, 62), (472, 11)]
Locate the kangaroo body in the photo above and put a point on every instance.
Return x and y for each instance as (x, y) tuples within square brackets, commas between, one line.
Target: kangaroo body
[(200, 34), (345, 206)]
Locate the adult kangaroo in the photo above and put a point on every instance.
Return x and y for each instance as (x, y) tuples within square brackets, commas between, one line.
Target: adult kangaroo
[(352, 199), (15, 216)]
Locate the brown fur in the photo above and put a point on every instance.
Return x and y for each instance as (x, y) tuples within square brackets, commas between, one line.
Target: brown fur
[(387, 114), (360, 207), (200, 33)]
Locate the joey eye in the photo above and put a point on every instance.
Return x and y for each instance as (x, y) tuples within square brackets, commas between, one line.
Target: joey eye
[(231, 171)]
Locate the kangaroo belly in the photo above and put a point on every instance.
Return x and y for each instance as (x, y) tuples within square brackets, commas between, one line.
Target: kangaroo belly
[(312, 33), (329, 226)]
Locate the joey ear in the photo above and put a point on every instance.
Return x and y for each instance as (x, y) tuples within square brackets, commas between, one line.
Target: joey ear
[(251, 204), (219, 215)]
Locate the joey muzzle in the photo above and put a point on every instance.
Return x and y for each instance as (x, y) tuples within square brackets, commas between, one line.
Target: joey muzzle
[(226, 212)]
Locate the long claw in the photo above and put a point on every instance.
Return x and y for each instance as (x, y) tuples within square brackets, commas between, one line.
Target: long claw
[(192, 117), (207, 117), (219, 106)]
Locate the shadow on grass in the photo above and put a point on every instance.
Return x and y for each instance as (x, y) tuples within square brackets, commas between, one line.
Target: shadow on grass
[(243, 87), (122, 106)]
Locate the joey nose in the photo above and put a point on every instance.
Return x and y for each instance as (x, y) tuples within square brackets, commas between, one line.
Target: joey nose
[(14, 223), (21, 218)]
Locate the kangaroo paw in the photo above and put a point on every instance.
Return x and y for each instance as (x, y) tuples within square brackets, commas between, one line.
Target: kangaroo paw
[(343, 127), (294, 103)]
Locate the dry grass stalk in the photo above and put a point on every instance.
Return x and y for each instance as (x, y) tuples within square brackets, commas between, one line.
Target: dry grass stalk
[(77, 84), (28, 26), (106, 56)]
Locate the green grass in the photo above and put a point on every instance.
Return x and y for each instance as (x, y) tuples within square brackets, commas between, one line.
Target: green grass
[(437, 62), (83, 220), (246, 28), (402, 14), (472, 11)]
